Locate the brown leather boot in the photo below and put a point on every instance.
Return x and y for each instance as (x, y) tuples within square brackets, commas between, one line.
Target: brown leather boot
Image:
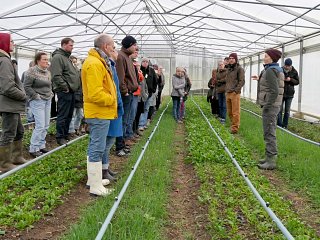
[(5, 158), (17, 157)]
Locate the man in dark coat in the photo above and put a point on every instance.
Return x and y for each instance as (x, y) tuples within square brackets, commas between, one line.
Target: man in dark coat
[(291, 78), (65, 81)]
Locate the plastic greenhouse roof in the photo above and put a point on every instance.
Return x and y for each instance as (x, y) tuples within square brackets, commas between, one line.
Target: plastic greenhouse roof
[(214, 28)]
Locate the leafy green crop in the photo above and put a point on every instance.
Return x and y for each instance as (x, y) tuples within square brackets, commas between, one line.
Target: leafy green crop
[(233, 210), (30, 193)]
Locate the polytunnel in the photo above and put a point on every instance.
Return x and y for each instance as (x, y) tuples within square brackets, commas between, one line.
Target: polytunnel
[(194, 34), (188, 169)]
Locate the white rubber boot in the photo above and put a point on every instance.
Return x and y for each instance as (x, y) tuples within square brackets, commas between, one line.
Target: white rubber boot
[(95, 179), (105, 182)]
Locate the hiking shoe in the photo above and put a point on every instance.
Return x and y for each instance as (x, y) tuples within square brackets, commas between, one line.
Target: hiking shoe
[(35, 154), (121, 153)]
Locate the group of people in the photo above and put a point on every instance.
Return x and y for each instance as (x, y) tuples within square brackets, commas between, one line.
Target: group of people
[(225, 88), (119, 98), (114, 93), (275, 93)]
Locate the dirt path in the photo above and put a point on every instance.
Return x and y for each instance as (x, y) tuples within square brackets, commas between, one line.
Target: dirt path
[(187, 217)]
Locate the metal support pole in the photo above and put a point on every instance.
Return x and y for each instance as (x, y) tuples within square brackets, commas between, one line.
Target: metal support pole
[(250, 83), (282, 57), (170, 75), (299, 114), (259, 70), (244, 67), (202, 69)]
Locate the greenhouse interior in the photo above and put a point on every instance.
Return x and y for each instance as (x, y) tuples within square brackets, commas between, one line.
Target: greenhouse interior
[(190, 176)]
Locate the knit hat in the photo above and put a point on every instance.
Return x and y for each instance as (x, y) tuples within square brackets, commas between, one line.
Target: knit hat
[(5, 42), (288, 62), (128, 41), (274, 54), (234, 55)]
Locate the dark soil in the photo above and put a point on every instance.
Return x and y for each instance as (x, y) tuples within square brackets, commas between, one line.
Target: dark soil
[(188, 218)]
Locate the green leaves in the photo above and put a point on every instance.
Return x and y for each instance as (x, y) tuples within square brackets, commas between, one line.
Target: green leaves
[(234, 212), (36, 190)]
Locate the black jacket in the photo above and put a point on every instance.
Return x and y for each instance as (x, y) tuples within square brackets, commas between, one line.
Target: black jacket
[(151, 79), (289, 85)]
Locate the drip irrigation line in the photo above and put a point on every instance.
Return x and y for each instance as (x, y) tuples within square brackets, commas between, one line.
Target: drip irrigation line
[(264, 204), (126, 184), (298, 119), (285, 130), (307, 121), (29, 123), (18, 168)]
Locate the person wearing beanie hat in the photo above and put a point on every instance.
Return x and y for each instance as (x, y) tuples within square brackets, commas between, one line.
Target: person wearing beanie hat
[(291, 79), (274, 54), (128, 81), (128, 41), (234, 56), (234, 83), (288, 62), (12, 104), (270, 91)]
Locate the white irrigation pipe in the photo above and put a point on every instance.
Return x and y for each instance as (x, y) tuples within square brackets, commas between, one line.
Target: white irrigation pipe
[(18, 168), (286, 130), (27, 124), (126, 184), (263, 203)]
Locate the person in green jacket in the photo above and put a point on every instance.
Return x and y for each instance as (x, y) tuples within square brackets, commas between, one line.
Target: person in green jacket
[(65, 82), (12, 104)]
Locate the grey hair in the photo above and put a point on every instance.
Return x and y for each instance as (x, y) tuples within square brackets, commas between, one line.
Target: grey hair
[(102, 39)]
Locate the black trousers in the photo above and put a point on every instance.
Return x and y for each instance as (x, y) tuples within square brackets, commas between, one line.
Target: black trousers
[(53, 106), (158, 100), (140, 110), (64, 114), (214, 106), (12, 128)]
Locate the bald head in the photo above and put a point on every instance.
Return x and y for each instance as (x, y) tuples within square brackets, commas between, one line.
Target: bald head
[(105, 43), (102, 39)]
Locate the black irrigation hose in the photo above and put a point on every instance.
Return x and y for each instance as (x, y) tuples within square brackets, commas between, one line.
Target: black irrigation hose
[(126, 184), (263, 203), (18, 168), (285, 130)]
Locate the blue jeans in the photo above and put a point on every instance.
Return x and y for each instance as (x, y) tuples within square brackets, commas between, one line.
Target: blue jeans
[(222, 105), (127, 102), (30, 117), (76, 120), (287, 103), (98, 138), (41, 111), (144, 116), (105, 157), (133, 112), (176, 108)]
